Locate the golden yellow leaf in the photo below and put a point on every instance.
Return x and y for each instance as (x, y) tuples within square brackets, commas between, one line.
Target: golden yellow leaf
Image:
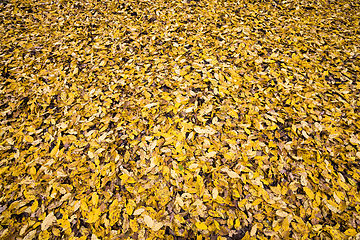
[(257, 202), (134, 225), (34, 206), (351, 232), (317, 227), (102, 63), (83, 205), (32, 171), (95, 199), (29, 138), (309, 193), (332, 206), (94, 215), (130, 206), (285, 224), (201, 225)]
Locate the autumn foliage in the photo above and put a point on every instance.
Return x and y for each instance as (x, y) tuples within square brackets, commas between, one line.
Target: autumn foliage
[(179, 119)]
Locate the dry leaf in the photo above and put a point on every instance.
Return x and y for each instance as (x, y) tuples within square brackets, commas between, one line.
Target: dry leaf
[(48, 221)]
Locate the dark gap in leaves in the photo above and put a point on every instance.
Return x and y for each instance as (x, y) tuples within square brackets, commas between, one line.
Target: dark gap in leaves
[(111, 126), (52, 145), (137, 158), (152, 19), (309, 8), (165, 88), (200, 101), (241, 233), (274, 183), (66, 180), (208, 121), (24, 102), (169, 114), (168, 231), (19, 217), (129, 41), (58, 215), (5, 73), (190, 235)]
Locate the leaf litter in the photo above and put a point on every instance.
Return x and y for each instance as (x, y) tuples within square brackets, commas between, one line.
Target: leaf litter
[(182, 119)]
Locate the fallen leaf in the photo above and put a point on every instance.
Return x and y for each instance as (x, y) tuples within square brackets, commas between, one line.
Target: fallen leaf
[(48, 221)]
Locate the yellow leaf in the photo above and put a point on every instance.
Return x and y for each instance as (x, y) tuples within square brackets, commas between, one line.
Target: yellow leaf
[(55, 149), (84, 206), (29, 138), (134, 225), (126, 156), (103, 63), (351, 232), (95, 199), (147, 94), (152, 145), (309, 192), (229, 155), (277, 228), (34, 206), (354, 140), (276, 190), (114, 217), (343, 185), (242, 203), (257, 202), (32, 171), (332, 206), (199, 130), (201, 225), (130, 206), (237, 223), (340, 195), (233, 114), (285, 224), (210, 154), (316, 227), (91, 154), (94, 215)]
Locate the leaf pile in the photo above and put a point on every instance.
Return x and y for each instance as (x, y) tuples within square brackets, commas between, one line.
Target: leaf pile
[(167, 119)]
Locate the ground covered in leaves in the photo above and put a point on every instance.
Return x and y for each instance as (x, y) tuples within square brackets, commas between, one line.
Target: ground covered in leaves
[(179, 119)]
